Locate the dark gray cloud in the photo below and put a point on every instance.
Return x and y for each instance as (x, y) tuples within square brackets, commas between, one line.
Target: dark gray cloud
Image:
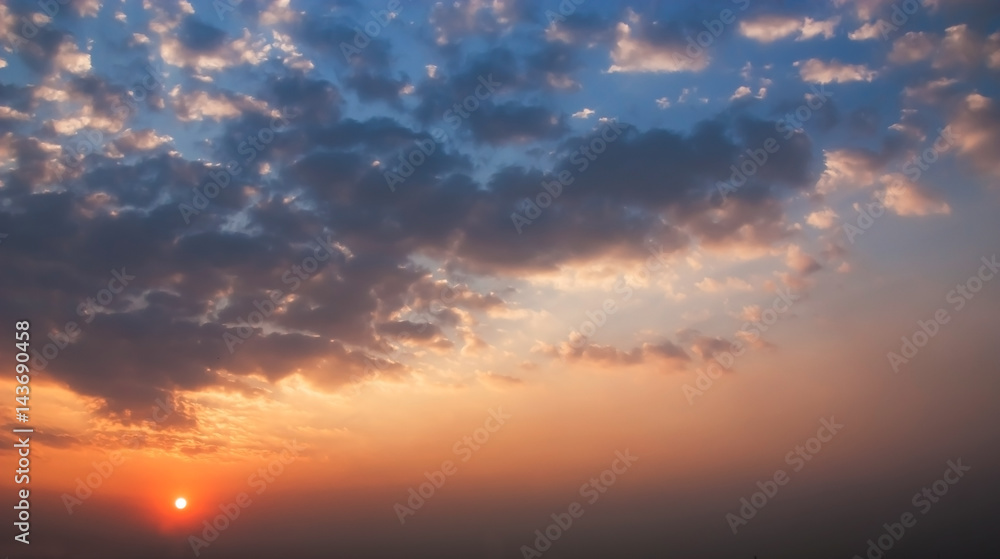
[(199, 36)]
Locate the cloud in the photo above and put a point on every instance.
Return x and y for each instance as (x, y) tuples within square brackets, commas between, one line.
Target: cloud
[(278, 11), (822, 219), (665, 53), (960, 46), (582, 28), (69, 59), (140, 140), (751, 313), (767, 29), (817, 71), (448, 228), (414, 332), (934, 91), (199, 105), (850, 167), (711, 285), (814, 28), (190, 43), (904, 197), (912, 47), (868, 31), (741, 91), (993, 51), (585, 351), (800, 262), (857, 168), (7, 113), (771, 28), (370, 86), (498, 381), (976, 128), (744, 91), (515, 123), (866, 9), (706, 347), (478, 18), (52, 437)]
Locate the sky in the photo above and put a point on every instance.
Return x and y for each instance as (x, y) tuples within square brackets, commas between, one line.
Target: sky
[(501, 278)]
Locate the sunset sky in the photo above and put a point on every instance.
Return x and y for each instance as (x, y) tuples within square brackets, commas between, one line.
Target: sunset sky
[(503, 279)]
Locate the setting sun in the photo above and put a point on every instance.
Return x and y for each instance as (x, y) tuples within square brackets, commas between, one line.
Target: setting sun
[(180, 503)]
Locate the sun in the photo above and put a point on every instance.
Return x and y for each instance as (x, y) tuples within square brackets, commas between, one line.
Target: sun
[(180, 503)]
